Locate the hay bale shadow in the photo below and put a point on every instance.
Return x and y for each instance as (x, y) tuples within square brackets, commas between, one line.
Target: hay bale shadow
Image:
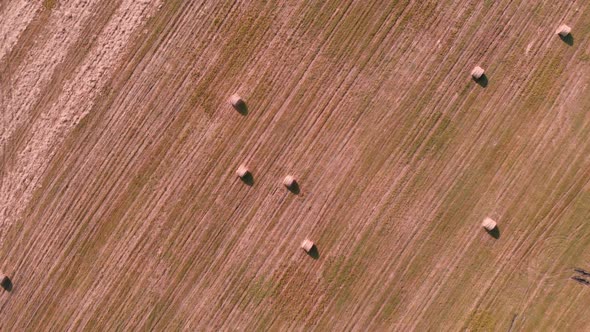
[(495, 233), (294, 188), (241, 107), (6, 284), (314, 252), (569, 39), (581, 281), (482, 81), (248, 179), (582, 272)]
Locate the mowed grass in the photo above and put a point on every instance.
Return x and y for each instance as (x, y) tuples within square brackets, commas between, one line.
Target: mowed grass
[(411, 191)]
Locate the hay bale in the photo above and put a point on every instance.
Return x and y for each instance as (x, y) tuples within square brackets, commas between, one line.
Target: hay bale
[(236, 101), (563, 30), (477, 72), (242, 171), (307, 245), (289, 181), (489, 224)]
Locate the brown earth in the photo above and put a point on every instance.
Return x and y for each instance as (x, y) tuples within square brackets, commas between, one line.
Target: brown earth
[(120, 208)]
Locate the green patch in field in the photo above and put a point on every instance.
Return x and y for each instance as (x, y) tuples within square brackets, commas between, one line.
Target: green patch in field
[(355, 23), (417, 141), (49, 4), (340, 276), (538, 10), (389, 308), (580, 214), (156, 312), (342, 273), (582, 28), (263, 324), (443, 131), (562, 250), (482, 321), (540, 88), (316, 17), (242, 39), (260, 289), (442, 135)]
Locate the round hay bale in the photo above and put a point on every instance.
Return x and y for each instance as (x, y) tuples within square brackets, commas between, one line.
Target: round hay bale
[(236, 101), (489, 224), (289, 181), (477, 72), (563, 30), (242, 171), (307, 245)]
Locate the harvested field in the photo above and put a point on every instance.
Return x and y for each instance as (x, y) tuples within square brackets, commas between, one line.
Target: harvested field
[(120, 208)]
